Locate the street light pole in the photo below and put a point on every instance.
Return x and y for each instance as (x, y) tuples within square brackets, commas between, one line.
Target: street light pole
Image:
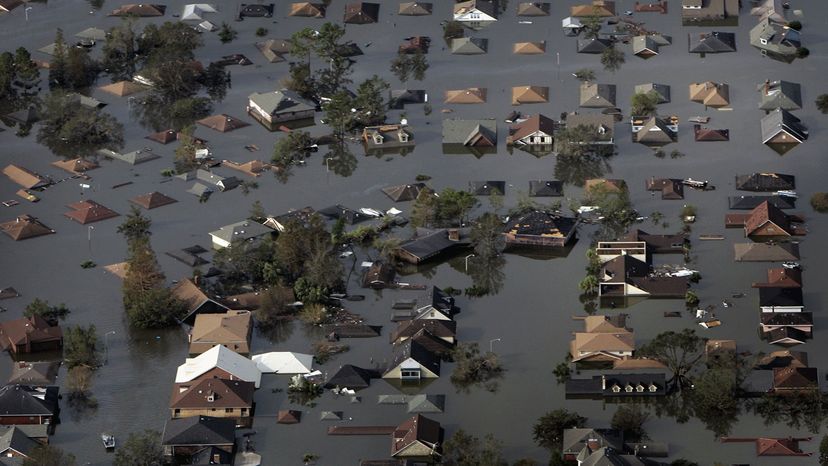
[(27, 12), (467, 262), (106, 345), (491, 343), (89, 238)]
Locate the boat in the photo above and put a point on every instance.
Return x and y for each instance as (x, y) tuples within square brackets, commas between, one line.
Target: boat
[(790, 265), (108, 441), (694, 183), (699, 119), (726, 303), (787, 193)]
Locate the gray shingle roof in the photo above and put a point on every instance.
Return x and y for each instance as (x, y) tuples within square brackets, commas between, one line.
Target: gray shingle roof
[(283, 101), (199, 430), (241, 231)]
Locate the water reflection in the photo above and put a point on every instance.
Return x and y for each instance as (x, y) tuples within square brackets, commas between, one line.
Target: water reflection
[(279, 332), (575, 170), (340, 159)]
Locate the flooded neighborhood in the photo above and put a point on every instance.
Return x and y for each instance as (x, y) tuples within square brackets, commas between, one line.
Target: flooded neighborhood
[(388, 233)]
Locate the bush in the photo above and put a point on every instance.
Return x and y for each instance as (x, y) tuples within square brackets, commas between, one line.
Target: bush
[(819, 202), (261, 32), (422, 177), (691, 299), (802, 52), (795, 25), (313, 314), (227, 34)]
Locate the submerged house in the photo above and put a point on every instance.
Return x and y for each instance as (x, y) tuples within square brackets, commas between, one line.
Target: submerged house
[(604, 338), (625, 276), (795, 379), (540, 228), (387, 139), (417, 437), (536, 134), (475, 11), (219, 362), (272, 109), (429, 243), (654, 131), (766, 220), (361, 13), (244, 231), (530, 95), (711, 42), (24, 404), (775, 40), (597, 95), (609, 386), (30, 335), (780, 94), (213, 397), (767, 182), (195, 300), (415, 9), (603, 125), (477, 137), (766, 252), (232, 330), (184, 438), (710, 94), (782, 131), (707, 11), (662, 90), (600, 8), (411, 361), (24, 227)]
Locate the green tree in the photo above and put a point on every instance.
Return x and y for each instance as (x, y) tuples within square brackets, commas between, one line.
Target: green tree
[(298, 243), (410, 65), (244, 263), (472, 368), (292, 148), (401, 67), (49, 313), (300, 80), (592, 26), (822, 103), (140, 449), (80, 347), (823, 451), (612, 59), (645, 103), (57, 67), (487, 236), (453, 206), (370, 102), (170, 42), (819, 201), (463, 449), (119, 56), (81, 71), (548, 430), (584, 74), (338, 115), (136, 226), (226, 33), (679, 351), (802, 52), (275, 305), (630, 419), (419, 65), (589, 284), (184, 158), (713, 399), (302, 44), (70, 129), (48, 455), (257, 212)]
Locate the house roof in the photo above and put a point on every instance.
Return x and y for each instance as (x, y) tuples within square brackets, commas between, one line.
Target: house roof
[(530, 95), (782, 277), (663, 91), (710, 135), (256, 10), (338, 211), (787, 336), (199, 431), (798, 319), (353, 377), (529, 48), (284, 101), (780, 94), (670, 188), (764, 252), (241, 231), (796, 378), (780, 296), (432, 343), (193, 297), (411, 349), (152, 200), (26, 115), (25, 178), (75, 166), (9, 5), (531, 125), (361, 13), (779, 121), (418, 429), (404, 192), (576, 439), (775, 37), (89, 211), (274, 50), (486, 188), (415, 9), (25, 330), (400, 97), (593, 45), (601, 8), (594, 342), (655, 130), (533, 9), (597, 95), (427, 243), (606, 184), (624, 267), (541, 223), (605, 324), (222, 123), (437, 327), (784, 358), (22, 400), (133, 158), (710, 94), (16, 440), (486, 7), (764, 213), (288, 416), (221, 358), (139, 9), (472, 133), (24, 227), (472, 95), (545, 188), (212, 394), (422, 403), (307, 9), (778, 447), (229, 327), (712, 42), (41, 373), (284, 362), (658, 243), (765, 182), (469, 46), (123, 88)]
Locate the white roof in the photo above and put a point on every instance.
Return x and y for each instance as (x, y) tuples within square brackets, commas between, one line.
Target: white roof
[(222, 358), (191, 13), (571, 22), (284, 362), (207, 26)]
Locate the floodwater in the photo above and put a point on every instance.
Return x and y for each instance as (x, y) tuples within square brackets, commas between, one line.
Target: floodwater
[(530, 315)]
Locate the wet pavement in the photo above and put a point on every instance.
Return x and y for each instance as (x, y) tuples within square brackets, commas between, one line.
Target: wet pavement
[(531, 314)]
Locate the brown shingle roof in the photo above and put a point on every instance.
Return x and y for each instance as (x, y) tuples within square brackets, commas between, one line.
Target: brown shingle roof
[(529, 48), (288, 416), (778, 447), (24, 227), (530, 125), (24, 177), (230, 329), (529, 95), (782, 278), (28, 330), (89, 211), (222, 123), (472, 95), (224, 393), (417, 429), (621, 341), (710, 94), (152, 200), (75, 166), (438, 328), (795, 378), (123, 88), (164, 137), (766, 212), (307, 9)]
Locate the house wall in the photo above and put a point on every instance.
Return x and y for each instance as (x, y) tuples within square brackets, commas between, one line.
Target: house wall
[(782, 308), (782, 138), (237, 412), (769, 229), (804, 328), (190, 450), (415, 450), (13, 420), (396, 373)]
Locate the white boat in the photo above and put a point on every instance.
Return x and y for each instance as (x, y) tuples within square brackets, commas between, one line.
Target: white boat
[(694, 183), (682, 273), (790, 265), (108, 441), (786, 193)]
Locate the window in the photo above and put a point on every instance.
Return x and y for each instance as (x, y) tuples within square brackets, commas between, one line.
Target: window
[(628, 389), (177, 412), (653, 388), (639, 388), (410, 374), (616, 388), (228, 410)]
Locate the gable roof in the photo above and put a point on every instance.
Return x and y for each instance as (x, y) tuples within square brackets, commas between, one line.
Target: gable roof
[(307, 9), (222, 123), (418, 429), (222, 358), (469, 45), (782, 121), (437, 327), (89, 211), (152, 200), (41, 373), (778, 447), (529, 48), (487, 7), (139, 9), (782, 277), (199, 431), (601, 8), (712, 42), (710, 135), (545, 188), (533, 9), (765, 182), (133, 158), (24, 227), (17, 441), (805, 378), (212, 394), (765, 252), (415, 9), (163, 137), (412, 349), (473, 133), (780, 94), (23, 400), (404, 192), (194, 298), (597, 95), (422, 403), (361, 13), (284, 101), (274, 50), (471, 95), (228, 327), (25, 178), (576, 439), (764, 213), (350, 376), (593, 45), (655, 131), (530, 95), (486, 188), (595, 342), (288, 416), (123, 88), (784, 358), (773, 296), (284, 362), (241, 231)]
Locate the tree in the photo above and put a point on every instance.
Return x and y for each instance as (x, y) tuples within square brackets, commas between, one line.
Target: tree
[(275, 306), (410, 65), (78, 383), (822, 103), (453, 206), (226, 33), (49, 313), (592, 25), (338, 114), (80, 347), (401, 67), (70, 130), (118, 54), (462, 449), (184, 158), (548, 430), (452, 30), (713, 399), (802, 52), (819, 201), (370, 101), (57, 67), (795, 25), (679, 351), (472, 368), (48, 455), (257, 212), (630, 419), (645, 103), (141, 449), (584, 74), (486, 236), (171, 42), (147, 300), (589, 284), (419, 65), (81, 71), (216, 81), (612, 59), (582, 141), (292, 149), (300, 80), (298, 243), (823, 451)]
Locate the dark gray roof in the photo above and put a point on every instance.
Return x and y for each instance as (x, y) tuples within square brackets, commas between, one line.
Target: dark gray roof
[(787, 318), (284, 101), (485, 188), (603, 385), (207, 457), (469, 46), (541, 223), (765, 182), (352, 377), (458, 131), (593, 45), (21, 400), (787, 336), (241, 231), (338, 211), (712, 42), (428, 243), (545, 188), (34, 373), (780, 296), (411, 349), (780, 94), (199, 430), (401, 97), (423, 403), (18, 441), (750, 202), (595, 95)]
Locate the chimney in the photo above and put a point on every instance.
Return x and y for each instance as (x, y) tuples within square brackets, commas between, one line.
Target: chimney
[(454, 234)]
